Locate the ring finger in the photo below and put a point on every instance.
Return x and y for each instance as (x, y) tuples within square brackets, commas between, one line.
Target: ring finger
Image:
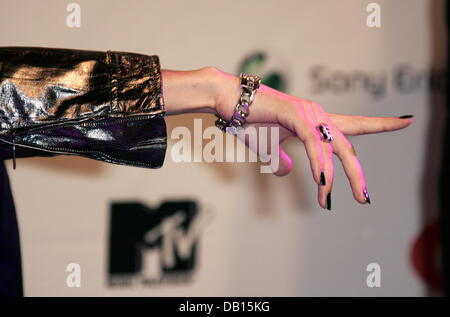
[(346, 153)]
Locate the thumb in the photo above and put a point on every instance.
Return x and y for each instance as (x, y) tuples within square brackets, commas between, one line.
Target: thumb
[(269, 150), (284, 164)]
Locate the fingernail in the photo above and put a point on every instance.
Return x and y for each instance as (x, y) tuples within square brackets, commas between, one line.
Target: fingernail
[(322, 179), (406, 116), (366, 196), (329, 201)]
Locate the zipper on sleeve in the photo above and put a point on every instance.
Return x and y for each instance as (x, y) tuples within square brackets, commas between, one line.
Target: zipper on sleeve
[(14, 151)]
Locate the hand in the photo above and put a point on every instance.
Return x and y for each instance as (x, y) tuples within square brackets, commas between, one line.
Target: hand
[(297, 117)]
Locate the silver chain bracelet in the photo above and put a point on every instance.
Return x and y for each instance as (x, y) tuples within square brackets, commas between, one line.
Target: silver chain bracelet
[(249, 86)]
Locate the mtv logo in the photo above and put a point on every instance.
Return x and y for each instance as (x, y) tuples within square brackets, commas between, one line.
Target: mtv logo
[(153, 244)]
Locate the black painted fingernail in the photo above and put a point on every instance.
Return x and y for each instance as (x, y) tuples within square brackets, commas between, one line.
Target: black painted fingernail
[(329, 201), (406, 116), (322, 179), (366, 196)]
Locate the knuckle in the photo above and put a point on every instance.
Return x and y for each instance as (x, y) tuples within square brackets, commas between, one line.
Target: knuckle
[(318, 139), (352, 150), (385, 125), (314, 104), (362, 125), (349, 149), (311, 136)]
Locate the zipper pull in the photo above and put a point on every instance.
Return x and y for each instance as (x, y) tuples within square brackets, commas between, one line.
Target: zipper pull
[(14, 152)]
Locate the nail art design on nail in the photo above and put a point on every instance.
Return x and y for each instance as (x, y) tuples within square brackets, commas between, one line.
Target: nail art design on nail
[(322, 179), (406, 116), (366, 196), (329, 201)]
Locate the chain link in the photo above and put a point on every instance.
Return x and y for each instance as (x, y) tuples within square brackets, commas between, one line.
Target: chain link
[(249, 86)]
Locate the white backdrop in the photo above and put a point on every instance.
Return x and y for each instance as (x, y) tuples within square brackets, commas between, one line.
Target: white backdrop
[(275, 240)]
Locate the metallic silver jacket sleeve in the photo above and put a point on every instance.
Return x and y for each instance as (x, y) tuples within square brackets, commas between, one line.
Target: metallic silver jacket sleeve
[(107, 106)]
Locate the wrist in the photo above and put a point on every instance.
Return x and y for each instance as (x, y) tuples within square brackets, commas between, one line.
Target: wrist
[(189, 91), (267, 104), (226, 91)]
